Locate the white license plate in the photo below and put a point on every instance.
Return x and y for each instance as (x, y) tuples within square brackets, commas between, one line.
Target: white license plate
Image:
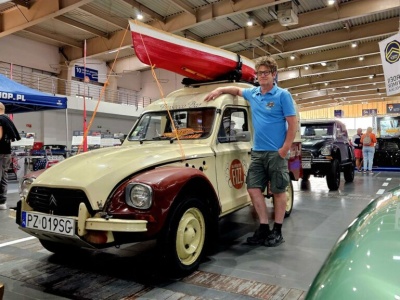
[(55, 224), (306, 164)]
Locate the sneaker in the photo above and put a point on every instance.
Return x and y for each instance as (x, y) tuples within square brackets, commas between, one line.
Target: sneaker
[(274, 239), (365, 172), (359, 170), (3, 206), (258, 238)]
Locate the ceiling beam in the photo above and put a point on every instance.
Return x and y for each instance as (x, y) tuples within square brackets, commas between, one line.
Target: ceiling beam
[(40, 11), (213, 11), (184, 6), (300, 91), (25, 3), (335, 76), (54, 37), (343, 65), (146, 10), (116, 21), (311, 19), (81, 26)]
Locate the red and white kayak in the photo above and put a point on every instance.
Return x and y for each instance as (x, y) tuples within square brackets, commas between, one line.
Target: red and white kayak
[(189, 58)]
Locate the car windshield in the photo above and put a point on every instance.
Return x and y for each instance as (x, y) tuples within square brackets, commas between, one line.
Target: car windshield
[(188, 123), (315, 131)]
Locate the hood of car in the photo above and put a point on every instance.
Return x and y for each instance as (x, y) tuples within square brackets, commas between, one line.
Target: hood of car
[(97, 172), (313, 143), (364, 263)]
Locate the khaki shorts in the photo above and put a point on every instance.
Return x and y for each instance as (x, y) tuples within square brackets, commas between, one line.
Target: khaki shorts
[(268, 166)]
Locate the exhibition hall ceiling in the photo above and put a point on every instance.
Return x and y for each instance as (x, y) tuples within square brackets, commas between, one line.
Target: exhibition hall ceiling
[(328, 53)]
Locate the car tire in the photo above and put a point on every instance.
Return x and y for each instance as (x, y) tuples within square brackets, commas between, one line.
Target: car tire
[(349, 173), (333, 176), (182, 242)]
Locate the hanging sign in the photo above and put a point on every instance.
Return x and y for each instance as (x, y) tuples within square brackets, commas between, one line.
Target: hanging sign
[(390, 55), (88, 74)]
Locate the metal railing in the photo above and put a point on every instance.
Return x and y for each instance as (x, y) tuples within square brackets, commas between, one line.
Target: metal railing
[(74, 88)]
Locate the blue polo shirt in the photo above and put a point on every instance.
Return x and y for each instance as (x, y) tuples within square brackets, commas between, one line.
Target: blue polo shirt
[(268, 115)]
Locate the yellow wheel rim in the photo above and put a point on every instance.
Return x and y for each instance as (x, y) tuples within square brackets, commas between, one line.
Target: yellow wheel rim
[(190, 236), (289, 197)]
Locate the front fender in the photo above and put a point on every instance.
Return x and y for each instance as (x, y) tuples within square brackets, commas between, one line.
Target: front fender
[(166, 183)]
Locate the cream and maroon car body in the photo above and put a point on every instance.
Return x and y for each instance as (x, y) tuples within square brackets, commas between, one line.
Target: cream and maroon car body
[(166, 182)]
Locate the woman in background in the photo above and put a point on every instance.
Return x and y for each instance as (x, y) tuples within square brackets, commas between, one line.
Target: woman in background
[(368, 140)]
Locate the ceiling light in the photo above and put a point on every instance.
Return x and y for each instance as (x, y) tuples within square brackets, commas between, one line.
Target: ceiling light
[(250, 22), (306, 67), (371, 76), (292, 56), (354, 44), (331, 2), (139, 16), (361, 58), (323, 63)]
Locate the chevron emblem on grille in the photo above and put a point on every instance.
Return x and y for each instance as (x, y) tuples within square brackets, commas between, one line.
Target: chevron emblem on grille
[(53, 201)]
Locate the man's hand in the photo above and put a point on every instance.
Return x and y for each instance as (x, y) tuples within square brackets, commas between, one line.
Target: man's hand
[(214, 94), (283, 152)]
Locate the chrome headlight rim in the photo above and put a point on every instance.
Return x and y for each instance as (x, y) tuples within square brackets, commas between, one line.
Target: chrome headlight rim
[(326, 150), (144, 198), (25, 186)]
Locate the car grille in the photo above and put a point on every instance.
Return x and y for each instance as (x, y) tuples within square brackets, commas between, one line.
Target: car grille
[(305, 155), (62, 202)]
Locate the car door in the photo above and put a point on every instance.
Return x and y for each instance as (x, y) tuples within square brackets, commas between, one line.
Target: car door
[(232, 157), (342, 141)]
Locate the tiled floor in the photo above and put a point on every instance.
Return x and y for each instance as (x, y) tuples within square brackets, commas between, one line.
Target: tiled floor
[(235, 271)]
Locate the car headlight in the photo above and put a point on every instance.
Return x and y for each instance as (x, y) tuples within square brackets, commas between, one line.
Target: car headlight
[(326, 150), (138, 195), (25, 186)]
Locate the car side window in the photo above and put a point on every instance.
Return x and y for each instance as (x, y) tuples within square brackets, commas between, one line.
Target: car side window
[(233, 121)]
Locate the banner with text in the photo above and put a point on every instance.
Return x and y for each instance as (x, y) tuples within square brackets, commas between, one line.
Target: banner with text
[(390, 55), (393, 108), (91, 74)]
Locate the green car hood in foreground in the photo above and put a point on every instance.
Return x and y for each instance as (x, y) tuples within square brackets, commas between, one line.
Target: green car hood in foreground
[(365, 261), (97, 172)]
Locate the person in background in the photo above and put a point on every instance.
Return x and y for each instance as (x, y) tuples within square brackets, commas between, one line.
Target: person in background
[(8, 134), (368, 141), (275, 124), (355, 141)]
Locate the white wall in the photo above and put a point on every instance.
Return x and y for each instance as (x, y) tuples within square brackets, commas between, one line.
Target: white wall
[(169, 82), (28, 53)]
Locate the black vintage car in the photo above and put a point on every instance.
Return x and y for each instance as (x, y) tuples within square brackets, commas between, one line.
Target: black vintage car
[(387, 152), (326, 151)]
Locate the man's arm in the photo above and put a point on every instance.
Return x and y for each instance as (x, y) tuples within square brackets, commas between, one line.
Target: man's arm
[(233, 90), (1, 132), (353, 140), (290, 135)]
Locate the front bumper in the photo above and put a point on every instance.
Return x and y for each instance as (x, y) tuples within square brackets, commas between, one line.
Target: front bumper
[(318, 166), (87, 228)]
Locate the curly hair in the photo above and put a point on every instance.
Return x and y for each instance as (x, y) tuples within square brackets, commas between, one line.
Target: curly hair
[(267, 61)]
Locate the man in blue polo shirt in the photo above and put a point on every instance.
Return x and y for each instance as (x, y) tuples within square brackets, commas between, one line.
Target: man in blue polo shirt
[(275, 124)]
